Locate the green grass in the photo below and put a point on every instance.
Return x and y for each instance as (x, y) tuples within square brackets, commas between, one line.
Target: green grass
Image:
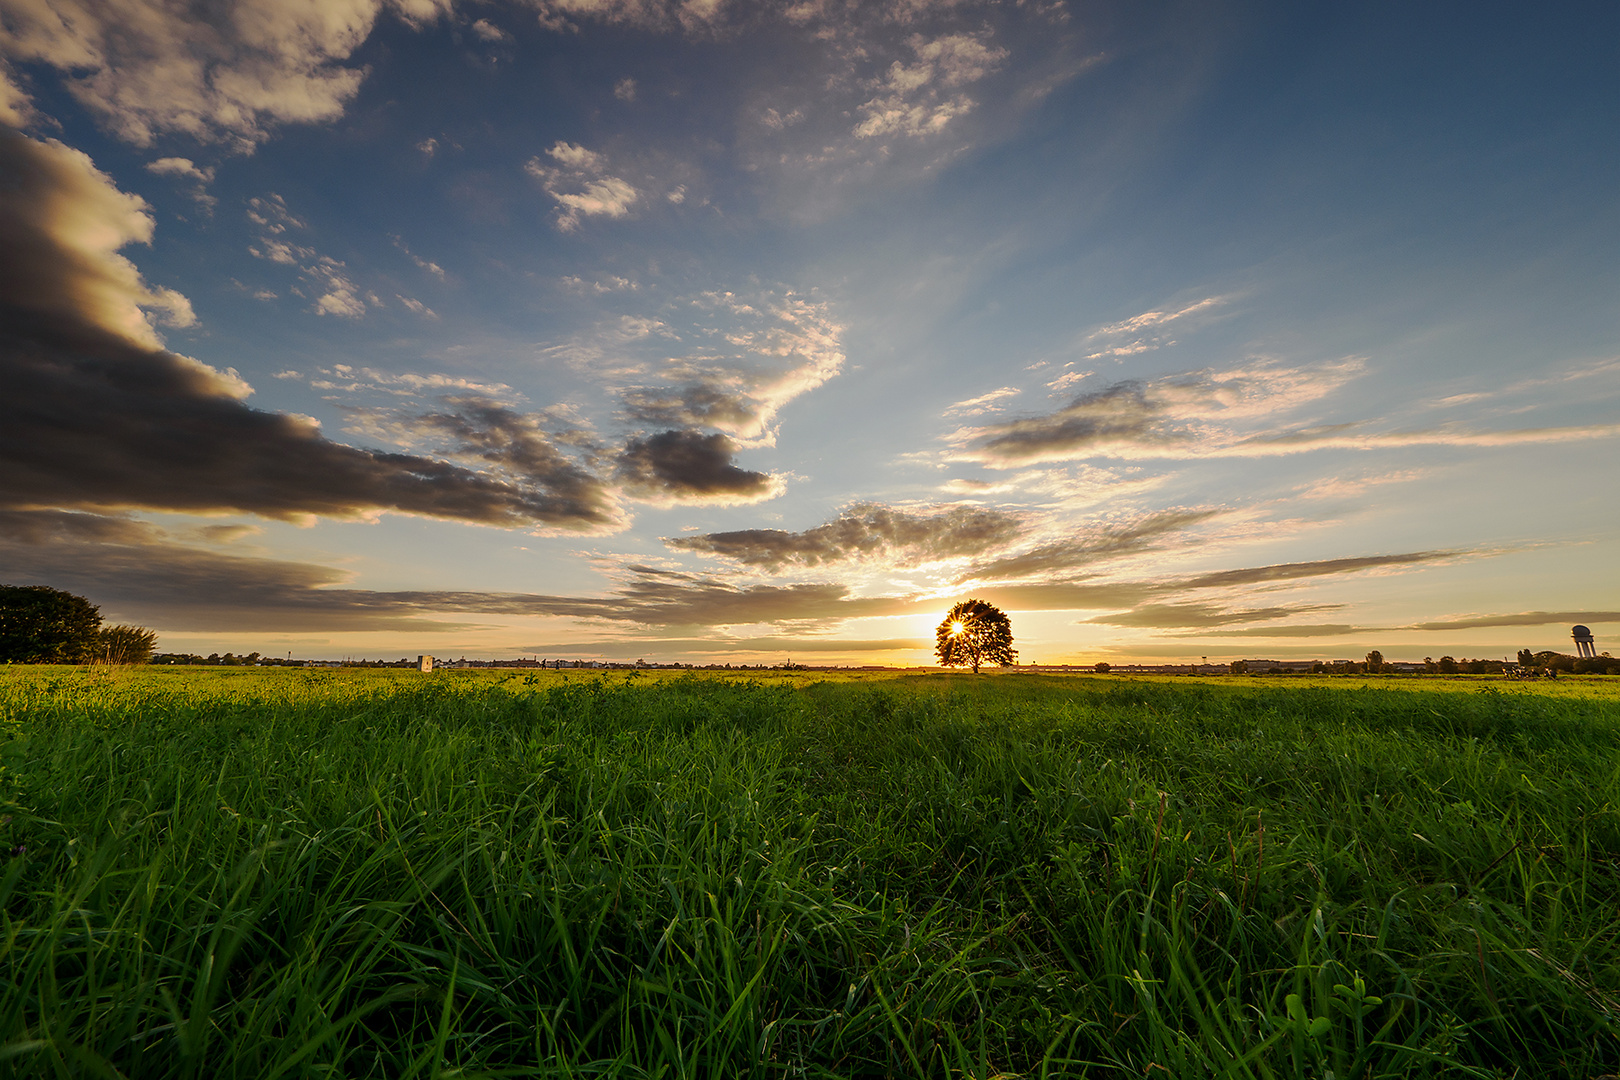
[(257, 873)]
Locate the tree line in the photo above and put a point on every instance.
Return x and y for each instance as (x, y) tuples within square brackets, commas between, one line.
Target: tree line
[(42, 625)]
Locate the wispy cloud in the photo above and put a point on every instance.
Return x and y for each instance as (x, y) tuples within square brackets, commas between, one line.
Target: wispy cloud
[(978, 406), (1189, 415), (866, 531), (1523, 618), (1195, 614), (1098, 542), (326, 280), (1144, 332)]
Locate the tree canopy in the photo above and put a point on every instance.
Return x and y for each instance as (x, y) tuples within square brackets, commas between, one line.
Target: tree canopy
[(974, 633), (42, 625)]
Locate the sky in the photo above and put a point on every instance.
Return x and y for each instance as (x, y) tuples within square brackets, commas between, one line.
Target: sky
[(719, 331)]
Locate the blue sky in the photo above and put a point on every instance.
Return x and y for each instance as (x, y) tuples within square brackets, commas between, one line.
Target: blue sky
[(618, 328)]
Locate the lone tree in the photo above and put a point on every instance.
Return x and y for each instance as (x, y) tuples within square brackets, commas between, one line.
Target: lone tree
[(975, 633), (41, 625)]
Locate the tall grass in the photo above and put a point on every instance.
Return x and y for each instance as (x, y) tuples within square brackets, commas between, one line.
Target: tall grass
[(258, 874)]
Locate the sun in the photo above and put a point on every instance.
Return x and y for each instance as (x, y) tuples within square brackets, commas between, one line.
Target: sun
[(956, 627)]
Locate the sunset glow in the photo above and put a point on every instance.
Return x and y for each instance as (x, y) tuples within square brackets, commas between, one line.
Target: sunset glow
[(738, 332)]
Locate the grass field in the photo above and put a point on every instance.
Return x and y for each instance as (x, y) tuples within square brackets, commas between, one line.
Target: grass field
[(260, 873)]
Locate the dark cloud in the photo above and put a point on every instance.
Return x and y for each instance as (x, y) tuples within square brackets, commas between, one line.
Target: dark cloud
[(96, 413), (689, 467), (694, 406), (1122, 413), (861, 531), (1523, 618), (1255, 575), (137, 570), (1095, 545), (1196, 614)]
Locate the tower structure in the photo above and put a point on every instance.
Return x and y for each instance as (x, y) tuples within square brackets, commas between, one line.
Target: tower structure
[(1585, 643)]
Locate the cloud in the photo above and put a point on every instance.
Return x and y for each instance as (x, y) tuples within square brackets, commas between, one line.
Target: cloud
[(422, 264), (778, 346), (138, 571), (915, 99), (978, 406), (1101, 542), (865, 531), (1256, 575), (182, 167), (1296, 631), (625, 89), (1203, 614), (608, 284), (348, 379), (488, 31), (96, 413), (218, 73), (336, 293), (1523, 618), (581, 186), (692, 16), (1186, 415), (1073, 486), (689, 467)]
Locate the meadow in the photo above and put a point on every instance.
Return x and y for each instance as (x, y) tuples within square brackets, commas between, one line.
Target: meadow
[(262, 873)]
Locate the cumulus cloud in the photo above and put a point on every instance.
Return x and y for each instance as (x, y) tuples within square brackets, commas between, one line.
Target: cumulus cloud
[(63, 222), (96, 413), (218, 73), (865, 531), (690, 467), (922, 97), (581, 186), (488, 31), (179, 166)]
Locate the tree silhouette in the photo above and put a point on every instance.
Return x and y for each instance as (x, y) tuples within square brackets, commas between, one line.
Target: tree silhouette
[(41, 625), (974, 633)]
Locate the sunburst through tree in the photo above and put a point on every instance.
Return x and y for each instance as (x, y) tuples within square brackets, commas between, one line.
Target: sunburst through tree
[(974, 633)]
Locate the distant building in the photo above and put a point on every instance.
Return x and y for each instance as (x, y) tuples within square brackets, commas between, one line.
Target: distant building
[(424, 663)]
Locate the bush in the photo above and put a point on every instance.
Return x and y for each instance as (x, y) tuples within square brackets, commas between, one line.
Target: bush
[(127, 644)]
